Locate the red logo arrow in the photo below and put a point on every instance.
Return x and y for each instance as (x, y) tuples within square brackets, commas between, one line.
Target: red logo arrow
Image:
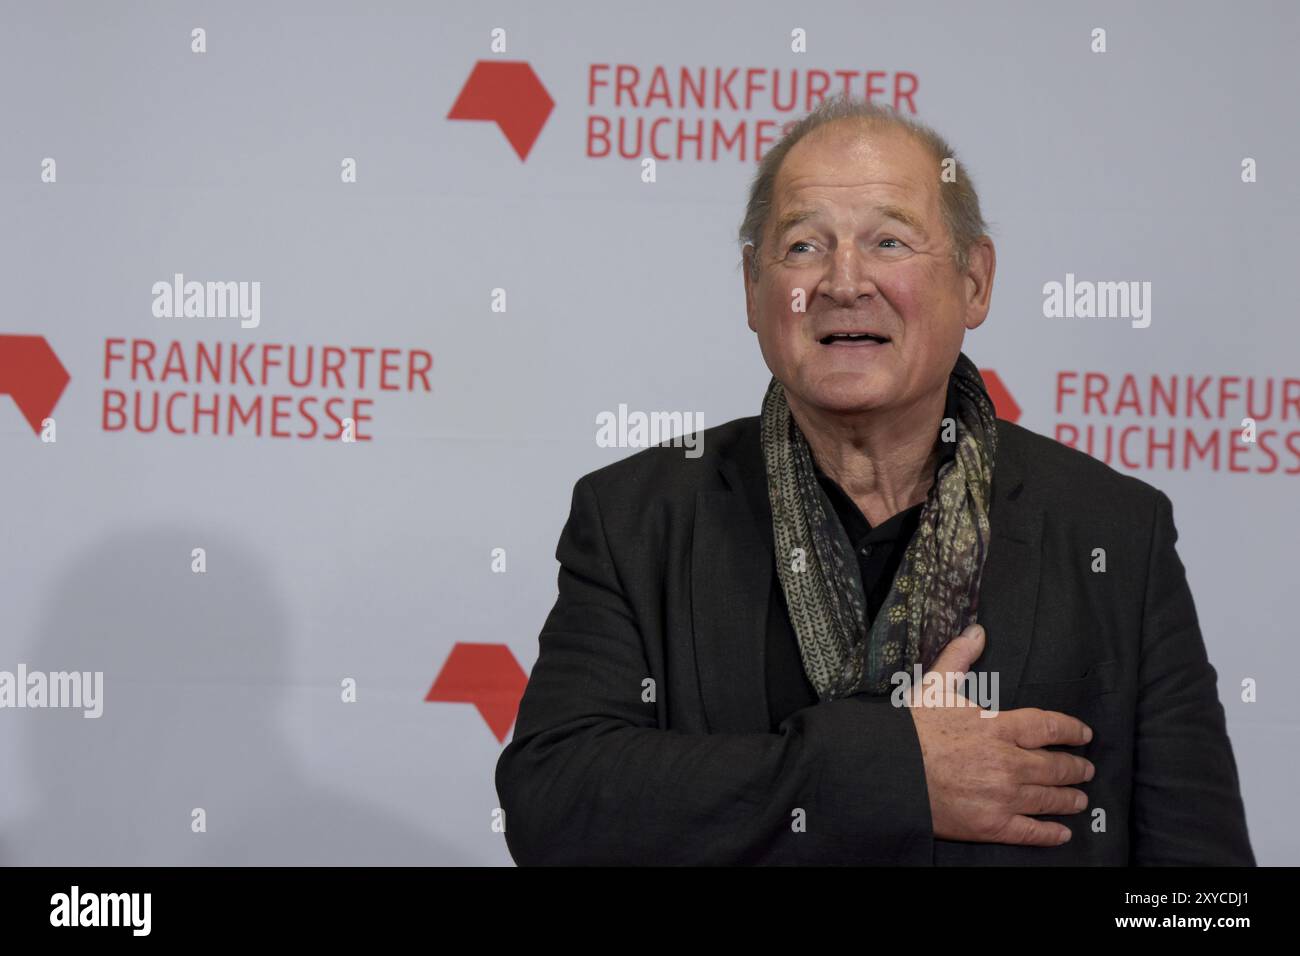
[(1003, 404), (487, 676), (32, 374), (511, 95)]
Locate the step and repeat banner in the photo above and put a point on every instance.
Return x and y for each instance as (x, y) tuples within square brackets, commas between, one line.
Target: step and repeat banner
[(315, 312)]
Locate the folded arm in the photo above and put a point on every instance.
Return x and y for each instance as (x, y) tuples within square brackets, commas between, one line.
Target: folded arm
[(591, 778)]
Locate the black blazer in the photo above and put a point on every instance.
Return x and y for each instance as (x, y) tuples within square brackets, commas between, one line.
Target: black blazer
[(643, 735)]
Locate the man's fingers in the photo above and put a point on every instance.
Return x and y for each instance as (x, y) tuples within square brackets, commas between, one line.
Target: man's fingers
[(1024, 831), (1034, 728), (957, 657), (960, 654), (1057, 801), (1050, 768)]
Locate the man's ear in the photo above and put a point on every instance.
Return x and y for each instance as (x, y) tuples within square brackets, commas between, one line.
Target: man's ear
[(979, 281), (747, 259)]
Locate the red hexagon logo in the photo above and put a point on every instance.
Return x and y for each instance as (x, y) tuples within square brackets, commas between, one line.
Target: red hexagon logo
[(32, 375), (509, 94), (487, 676)]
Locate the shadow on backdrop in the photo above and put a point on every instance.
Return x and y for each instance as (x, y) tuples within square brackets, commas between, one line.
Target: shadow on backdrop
[(195, 667)]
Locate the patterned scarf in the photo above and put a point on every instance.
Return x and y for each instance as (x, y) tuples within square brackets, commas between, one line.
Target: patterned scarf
[(935, 593)]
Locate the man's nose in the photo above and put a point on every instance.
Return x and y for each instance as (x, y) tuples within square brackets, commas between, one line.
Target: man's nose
[(851, 276)]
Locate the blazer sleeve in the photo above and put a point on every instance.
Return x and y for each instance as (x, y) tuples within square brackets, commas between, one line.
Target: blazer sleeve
[(591, 778), (1187, 808)]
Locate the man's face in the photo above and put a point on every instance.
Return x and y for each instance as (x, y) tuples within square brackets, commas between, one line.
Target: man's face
[(871, 255)]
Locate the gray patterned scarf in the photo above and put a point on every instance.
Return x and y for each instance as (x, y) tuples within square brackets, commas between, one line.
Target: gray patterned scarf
[(935, 593)]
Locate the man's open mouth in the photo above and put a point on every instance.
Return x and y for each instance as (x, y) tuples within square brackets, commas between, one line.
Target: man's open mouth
[(852, 337)]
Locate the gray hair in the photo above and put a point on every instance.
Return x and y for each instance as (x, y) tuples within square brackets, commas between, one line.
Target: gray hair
[(958, 200)]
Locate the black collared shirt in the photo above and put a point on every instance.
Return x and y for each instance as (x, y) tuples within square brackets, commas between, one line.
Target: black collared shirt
[(879, 551)]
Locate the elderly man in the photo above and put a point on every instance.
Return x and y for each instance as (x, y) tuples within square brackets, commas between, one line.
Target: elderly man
[(725, 675)]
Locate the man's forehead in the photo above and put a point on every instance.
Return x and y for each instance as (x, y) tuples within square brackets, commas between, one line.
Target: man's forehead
[(844, 154), (814, 208), (906, 203), (859, 170)]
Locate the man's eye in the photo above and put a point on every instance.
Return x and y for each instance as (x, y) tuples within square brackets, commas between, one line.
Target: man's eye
[(891, 240), (795, 246)]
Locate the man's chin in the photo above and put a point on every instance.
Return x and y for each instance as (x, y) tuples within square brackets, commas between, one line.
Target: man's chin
[(853, 408), (852, 400)]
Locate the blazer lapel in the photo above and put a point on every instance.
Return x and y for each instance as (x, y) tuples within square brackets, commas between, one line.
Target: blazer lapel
[(1009, 588), (732, 575)]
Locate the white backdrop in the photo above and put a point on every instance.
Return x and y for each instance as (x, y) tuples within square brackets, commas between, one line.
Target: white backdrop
[(135, 149)]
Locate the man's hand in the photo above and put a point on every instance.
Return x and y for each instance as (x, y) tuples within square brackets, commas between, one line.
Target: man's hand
[(987, 775)]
